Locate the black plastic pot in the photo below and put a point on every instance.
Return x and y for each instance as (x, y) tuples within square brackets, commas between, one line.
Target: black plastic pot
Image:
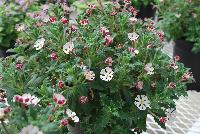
[(189, 59), (2, 53), (76, 129), (147, 11)]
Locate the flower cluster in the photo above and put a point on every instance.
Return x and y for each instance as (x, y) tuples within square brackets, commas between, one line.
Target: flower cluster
[(26, 99), (100, 70)]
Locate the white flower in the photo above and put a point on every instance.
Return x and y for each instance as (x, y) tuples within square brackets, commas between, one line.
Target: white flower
[(133, 20), (20, 27), (75, 119), (133, 36), (59, 99), (173, 65), (39, 43), (142, 102), (34, 100), (106, 74), (178, 15), (148, 67), (133, 51), (82, 67), (68, 47), (89, 75), (194, 15), (171, 113), (72, 115), (45, 7), (26, 99), (30, 129), (45, 18)]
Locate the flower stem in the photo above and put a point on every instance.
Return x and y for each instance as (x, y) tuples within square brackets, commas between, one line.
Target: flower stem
[(53, 111), (100, 4), (4, 126), (153, 114)]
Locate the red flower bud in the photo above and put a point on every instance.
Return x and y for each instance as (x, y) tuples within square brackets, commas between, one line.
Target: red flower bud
[(177, 58), (6, 110), (54, 56), (163, 120), (52, 19), (64, 122), (172, 85), (64, 20), (89, 12), (19, 66), (61, 84)]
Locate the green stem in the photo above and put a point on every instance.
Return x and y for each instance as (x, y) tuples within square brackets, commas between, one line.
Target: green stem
[(153, 114), (4, 126)]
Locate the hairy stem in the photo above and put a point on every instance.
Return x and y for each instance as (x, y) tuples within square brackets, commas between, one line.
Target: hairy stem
[(100, 4), (4, 126), (53, 111)]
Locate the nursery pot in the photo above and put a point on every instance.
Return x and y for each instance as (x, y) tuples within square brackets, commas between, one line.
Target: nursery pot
[(147, 11), (2, 53), (75, 129), (189, 59)]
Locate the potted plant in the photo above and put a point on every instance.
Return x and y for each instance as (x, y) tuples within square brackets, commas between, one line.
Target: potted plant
[(11, 13), (180, 20), (146, 8), (101, 73)]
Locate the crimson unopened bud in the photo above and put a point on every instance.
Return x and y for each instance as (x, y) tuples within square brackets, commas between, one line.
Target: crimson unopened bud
[(19, 66), (109, 61), (163, 120), (64, 122), (6, 110), (177, 58), (60, 84), (54, 56), (74, 28), (149, 46), (132, 9), (64, 20), (113, 13), (172, 85), (84, 22), (108, 39), (52, 19), (89, 12)]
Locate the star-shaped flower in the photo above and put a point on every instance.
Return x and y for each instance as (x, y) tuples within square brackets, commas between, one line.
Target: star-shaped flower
[(106, 74), (89, 75), (72, 115), (39, 44), (133, 36), (142, 102), (68, 47)]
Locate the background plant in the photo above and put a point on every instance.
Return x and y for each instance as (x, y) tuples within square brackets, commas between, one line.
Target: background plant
[(180, 19), (11, 13), (106, 66)]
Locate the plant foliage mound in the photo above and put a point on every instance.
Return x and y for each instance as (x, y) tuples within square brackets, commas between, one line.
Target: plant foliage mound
[(180, 19), (104, 71)]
